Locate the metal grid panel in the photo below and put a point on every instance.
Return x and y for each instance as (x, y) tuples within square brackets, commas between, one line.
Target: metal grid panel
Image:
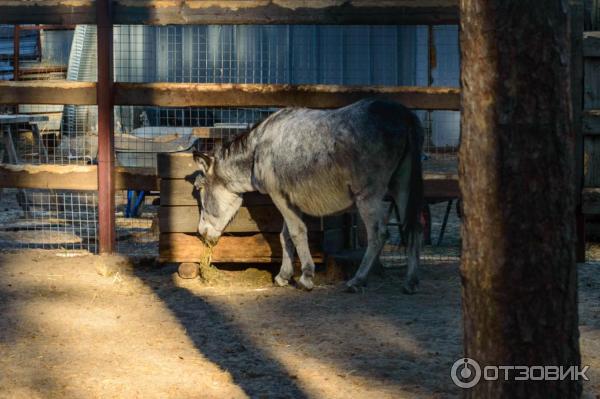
[(47, 218)]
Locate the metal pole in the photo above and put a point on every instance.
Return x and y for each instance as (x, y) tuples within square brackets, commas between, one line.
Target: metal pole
[(104, 97)]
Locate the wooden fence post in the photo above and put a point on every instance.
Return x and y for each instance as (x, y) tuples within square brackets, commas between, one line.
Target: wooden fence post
[(104, 97)]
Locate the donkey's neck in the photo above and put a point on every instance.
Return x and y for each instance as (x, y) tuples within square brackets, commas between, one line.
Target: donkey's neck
[(234, 165)]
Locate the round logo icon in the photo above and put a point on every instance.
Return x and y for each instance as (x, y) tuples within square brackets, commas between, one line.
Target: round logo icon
[(465, 373)]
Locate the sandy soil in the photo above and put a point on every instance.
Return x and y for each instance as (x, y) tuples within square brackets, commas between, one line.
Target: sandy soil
[(97, 327)]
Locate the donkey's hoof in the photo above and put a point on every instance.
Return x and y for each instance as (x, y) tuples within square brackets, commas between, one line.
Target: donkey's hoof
[(306, 283), (410, 288), (280, 281), (352, 289), (355, 286)]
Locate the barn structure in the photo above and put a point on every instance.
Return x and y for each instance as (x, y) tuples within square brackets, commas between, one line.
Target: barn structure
[(114, 83)]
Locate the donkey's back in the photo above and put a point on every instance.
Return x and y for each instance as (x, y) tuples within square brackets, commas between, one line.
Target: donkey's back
[(322, 160)]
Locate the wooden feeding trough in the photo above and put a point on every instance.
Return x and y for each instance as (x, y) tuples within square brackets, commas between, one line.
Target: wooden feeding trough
[(251, 237)]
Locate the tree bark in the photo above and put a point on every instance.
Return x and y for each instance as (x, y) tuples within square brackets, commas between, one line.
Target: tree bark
[(516, 177)]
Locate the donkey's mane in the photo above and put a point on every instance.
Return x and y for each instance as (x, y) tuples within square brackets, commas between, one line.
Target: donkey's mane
[(240, 142)]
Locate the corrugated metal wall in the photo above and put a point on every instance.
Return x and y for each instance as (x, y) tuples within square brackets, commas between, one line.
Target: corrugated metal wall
[(347, 55)]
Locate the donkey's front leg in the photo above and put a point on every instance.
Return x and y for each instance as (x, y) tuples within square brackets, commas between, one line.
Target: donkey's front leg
[(298, 233), (287, 258)]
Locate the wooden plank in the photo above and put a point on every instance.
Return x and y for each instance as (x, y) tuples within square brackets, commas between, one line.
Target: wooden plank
[(52, 12), (73, 177), (418, 12), (136, 179), (48, 92), (224, 95), (287, 12), (179, 165), (591, 44), (175, 192), (67, 177), (184, 219), (217, 132), (279, 95), (255, 248), (440, 186), (263, 218)]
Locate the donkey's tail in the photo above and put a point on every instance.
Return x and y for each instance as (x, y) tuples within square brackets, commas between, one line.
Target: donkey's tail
[(414, 203)]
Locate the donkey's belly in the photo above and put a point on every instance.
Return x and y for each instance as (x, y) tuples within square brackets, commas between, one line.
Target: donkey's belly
[(321, 202)]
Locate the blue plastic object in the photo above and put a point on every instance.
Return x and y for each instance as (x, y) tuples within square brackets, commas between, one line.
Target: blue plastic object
[(134, 202)]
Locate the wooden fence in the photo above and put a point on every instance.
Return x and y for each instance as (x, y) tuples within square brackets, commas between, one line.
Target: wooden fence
[(106, 93)]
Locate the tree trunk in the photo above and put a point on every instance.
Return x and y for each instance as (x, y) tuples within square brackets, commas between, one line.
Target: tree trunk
[(516, 177)]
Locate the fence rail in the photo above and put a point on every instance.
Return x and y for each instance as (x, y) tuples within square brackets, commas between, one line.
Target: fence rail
[(355, 12), (74, 177), (224, 95)]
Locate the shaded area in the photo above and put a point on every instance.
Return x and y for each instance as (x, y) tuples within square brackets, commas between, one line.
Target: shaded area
[(216, 336), (389, 342), (73, 329)]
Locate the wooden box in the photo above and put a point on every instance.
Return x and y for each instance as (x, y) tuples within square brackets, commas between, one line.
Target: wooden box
[(251, 237)]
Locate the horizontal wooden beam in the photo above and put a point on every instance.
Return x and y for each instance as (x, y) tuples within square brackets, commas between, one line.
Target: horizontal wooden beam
[(266, 219), (263, 218), (83, 178), (47, 92), (591, 44), (143, 179), (73, 177), (279, 95), (180, 192), (224, 95), (51, 12), (440, 186), (149, 12), (256, 248)]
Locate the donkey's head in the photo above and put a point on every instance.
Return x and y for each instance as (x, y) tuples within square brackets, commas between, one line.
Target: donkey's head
[(218, 204)]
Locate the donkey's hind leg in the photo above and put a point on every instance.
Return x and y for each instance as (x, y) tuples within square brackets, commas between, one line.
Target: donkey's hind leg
[(372, 212), (413, 250), (399, 189), (298, 233), (287, 269)]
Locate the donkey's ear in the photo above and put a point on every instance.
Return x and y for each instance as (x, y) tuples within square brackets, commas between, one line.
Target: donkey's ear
[(200, 180), (202, 160)]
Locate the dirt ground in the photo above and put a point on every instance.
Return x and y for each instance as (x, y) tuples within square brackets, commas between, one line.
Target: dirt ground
[(97, 327)]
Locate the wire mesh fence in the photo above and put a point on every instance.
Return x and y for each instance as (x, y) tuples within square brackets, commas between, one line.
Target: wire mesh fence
[(42, 135), (342, 55)]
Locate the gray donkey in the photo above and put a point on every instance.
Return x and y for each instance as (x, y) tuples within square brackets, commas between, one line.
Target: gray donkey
[(321, 162)]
